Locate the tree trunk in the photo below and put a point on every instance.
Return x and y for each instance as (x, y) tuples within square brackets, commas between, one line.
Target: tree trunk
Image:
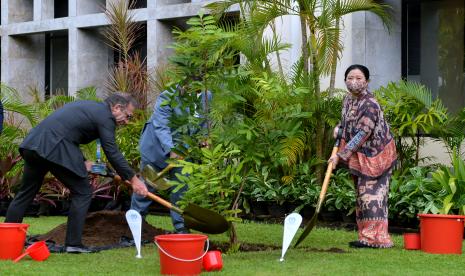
[(332, 80), (278, 57), (232, 236), (305, 54)]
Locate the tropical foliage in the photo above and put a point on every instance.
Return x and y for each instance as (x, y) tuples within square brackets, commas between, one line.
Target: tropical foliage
[(452, 181), (412, 113)]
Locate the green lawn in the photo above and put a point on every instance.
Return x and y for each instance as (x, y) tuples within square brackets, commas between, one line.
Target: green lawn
[(302, 261)]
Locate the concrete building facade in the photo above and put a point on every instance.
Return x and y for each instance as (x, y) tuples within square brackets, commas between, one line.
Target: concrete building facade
[(57, 45)]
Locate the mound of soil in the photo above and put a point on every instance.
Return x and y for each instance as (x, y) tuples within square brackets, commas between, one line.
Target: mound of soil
[(108, 229), (103, 228)]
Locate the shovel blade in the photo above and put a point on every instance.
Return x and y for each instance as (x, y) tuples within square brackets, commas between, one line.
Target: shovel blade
[(308, 228), (204, 220), (155, 178)]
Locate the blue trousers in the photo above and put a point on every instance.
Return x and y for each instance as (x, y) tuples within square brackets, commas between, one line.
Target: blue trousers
[(141, 204)]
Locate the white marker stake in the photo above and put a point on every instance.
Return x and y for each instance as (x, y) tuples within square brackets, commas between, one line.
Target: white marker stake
[(291, 225), (135, 224)]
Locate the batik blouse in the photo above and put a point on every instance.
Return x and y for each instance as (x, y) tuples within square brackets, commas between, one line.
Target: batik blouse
[(367, 145)]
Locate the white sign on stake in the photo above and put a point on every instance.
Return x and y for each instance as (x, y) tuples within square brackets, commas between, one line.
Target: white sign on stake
[(135, 224), (291, 225)]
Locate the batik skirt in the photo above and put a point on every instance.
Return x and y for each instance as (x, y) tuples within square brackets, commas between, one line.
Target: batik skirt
[(372, 210)]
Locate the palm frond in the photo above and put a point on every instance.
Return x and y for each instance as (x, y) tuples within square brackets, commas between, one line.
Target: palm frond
[(87, 93), (123, 31), (12, 102), (293, 146), (383, 11)]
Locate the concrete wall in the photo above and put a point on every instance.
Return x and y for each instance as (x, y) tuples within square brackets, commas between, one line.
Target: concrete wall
[(43, 9), (90, 6), (374, 47), (20, 10), (363, 35), (88, 60), (23, 62)]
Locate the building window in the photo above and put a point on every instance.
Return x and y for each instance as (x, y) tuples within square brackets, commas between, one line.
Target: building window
[(61, 8), (433, 48), (56, 64), (138, 4)]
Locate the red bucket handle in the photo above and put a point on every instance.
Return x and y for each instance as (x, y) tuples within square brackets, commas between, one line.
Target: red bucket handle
[(24, 229), (184, 260)]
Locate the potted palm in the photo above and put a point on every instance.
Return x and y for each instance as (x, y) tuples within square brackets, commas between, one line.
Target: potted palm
[(442, 231)]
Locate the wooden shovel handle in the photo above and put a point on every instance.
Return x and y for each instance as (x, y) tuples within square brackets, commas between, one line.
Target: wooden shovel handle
[(325, 185), (163, 202), (329, 170), (153, 197), (164, 171)]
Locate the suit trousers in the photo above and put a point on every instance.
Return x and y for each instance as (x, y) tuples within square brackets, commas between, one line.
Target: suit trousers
[(35, 169)]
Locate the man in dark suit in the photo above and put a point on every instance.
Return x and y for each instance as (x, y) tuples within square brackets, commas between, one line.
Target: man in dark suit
[(53, 146)]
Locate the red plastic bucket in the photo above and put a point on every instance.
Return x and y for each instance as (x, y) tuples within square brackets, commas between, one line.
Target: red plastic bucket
[(212, 261), (181, 254), (12, 238), (412, 241), (38, 251), (441, 234)]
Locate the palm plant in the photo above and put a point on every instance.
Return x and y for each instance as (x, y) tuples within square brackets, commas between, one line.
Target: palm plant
[(130, 72), (17, 115), (321, 46), (412, 113)]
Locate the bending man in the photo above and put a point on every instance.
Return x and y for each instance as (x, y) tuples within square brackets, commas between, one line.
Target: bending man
[(53, 146)]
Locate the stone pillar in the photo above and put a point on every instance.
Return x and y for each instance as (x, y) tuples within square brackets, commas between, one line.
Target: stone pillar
[(375, 47), (88, 60), (23, 62), (159, 37), (4, 11), (43, 9), (73, 7)]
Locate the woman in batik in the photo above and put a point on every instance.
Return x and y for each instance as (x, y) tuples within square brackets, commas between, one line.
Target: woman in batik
[(368, 149)]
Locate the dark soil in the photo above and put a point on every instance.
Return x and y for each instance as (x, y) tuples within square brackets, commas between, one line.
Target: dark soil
[(103, 228)]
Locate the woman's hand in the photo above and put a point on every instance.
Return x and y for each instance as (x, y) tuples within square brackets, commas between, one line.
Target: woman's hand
[(334, 159)]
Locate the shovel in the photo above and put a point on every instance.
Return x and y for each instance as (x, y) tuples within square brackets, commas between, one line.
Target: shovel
[(195, 217), (308, 228), (156, 179)]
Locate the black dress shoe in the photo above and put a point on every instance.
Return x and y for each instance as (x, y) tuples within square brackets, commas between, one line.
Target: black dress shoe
[(358, 244), (79, 249)]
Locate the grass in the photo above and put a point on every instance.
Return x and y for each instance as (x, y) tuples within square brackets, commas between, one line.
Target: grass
[(302, 261)]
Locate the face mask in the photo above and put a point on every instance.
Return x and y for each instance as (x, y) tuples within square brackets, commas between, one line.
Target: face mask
[(356, 87)]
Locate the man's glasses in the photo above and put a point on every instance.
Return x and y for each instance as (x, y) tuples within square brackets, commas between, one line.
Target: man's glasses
[(128, 116)]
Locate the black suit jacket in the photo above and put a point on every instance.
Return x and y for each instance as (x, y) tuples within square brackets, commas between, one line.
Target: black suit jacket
[(57, 137)]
